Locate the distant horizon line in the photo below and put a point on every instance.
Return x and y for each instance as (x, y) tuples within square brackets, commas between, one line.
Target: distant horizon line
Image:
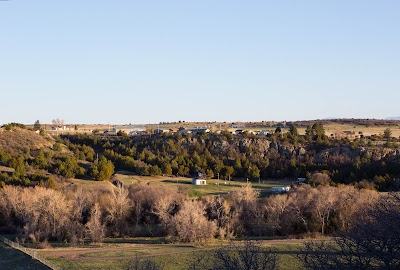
[(212, 122)]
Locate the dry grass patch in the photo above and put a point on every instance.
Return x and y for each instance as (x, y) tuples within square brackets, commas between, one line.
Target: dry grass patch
[(19, 139)]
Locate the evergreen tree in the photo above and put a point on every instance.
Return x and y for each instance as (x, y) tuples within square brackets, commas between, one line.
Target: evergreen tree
[(37, 125)]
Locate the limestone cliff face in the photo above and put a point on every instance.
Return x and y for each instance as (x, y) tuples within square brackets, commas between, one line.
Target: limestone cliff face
[(262, 147), (374, 153)]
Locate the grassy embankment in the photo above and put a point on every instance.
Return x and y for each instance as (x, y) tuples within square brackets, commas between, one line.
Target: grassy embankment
[(16, 260)]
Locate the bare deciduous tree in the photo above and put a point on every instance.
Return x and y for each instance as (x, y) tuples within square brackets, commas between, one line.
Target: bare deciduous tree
[(227, 219), (95, 228), (43, 212), (57, 122), (373, 244), (246, 193), (164, 206), (323, 204), (247, 256), (118, 208), (276, 207), (190, 223)]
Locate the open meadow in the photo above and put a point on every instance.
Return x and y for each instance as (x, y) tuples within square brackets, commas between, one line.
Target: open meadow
[(183, 184), (172, 256), (335, 127)]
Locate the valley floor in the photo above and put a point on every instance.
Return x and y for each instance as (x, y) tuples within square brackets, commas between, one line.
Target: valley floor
[(171, 256)]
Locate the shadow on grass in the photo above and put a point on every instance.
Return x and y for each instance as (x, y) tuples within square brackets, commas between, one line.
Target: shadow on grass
[(177, 182), (298, 252), (152, 241)]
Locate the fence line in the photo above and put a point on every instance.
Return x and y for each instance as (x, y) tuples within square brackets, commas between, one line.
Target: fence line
[(31, 252)]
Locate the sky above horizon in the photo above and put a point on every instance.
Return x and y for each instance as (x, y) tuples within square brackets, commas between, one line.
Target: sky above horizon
[(160, 61)]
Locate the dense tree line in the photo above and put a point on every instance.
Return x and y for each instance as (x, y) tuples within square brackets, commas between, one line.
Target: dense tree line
[(214, 155), (39, 213), (248, 156), (41, 166)]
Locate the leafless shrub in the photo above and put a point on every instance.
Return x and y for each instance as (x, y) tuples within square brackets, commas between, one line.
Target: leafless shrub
[(191, 225), (247, 256), (117, 209), (324, 209), (95, 228), (227, 219), (373, 244), (164, 206)]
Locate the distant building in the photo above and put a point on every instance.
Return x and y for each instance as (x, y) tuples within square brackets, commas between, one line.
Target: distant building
[(200, 130), (184, 131), (351, 135), (130, 130), (161, 130), (279, 190), (238, 125), (199, 180), (265, 132), (60, 128), (238, 131)]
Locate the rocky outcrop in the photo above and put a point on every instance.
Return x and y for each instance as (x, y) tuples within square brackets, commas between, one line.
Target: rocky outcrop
[(262, 147)]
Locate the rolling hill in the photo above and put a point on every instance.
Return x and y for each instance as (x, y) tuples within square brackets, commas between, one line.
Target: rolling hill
[(19, 139)]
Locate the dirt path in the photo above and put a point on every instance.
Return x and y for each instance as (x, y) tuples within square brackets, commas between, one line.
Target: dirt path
[(77, 253), (80, 253)]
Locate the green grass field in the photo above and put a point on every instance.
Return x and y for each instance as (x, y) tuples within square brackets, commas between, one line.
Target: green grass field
[(13, 259), (213, 186), (171, 256), (184, 184)]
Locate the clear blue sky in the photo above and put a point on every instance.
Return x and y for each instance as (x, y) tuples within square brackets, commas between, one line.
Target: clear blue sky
[(126, 61)]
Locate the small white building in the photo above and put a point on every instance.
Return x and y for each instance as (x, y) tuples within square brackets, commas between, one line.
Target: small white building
[(265, 132), (60, 128), (130, 130), (238, 131), (199, 180), (279, 190)]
